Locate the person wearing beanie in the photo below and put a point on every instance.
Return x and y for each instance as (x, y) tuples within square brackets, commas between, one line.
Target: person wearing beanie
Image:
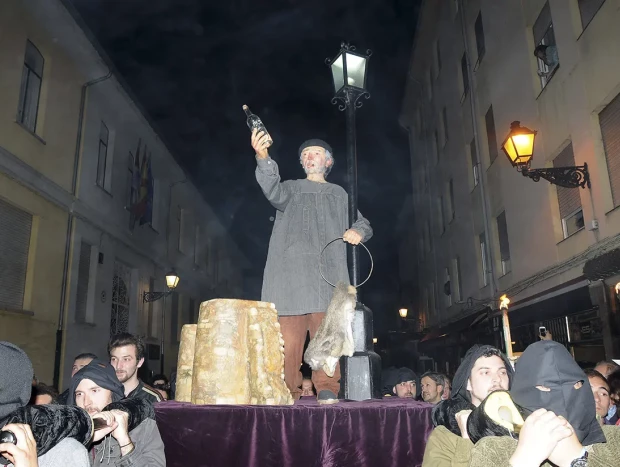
[(484, 369), (16, 375), (93, 388), (400, 382), (310, 213)]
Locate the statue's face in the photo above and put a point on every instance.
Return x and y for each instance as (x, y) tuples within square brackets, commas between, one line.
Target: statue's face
[(314, 160)]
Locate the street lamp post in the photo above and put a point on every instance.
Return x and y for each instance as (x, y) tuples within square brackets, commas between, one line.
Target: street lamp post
[(519, 149), (403, 313), (360, 374), (172, 280)]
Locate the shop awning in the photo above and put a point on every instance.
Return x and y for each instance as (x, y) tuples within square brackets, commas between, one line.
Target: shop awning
[(458, 326)]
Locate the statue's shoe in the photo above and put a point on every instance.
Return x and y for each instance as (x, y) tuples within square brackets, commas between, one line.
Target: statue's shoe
[(327, 397)]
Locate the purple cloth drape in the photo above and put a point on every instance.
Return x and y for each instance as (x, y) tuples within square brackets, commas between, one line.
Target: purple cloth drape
[(377, 433)]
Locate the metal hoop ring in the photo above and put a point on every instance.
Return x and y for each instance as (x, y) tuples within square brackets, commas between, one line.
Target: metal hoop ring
[(372, 263)]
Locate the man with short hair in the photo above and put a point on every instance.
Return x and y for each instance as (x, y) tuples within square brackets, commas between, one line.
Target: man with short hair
[(606, 367), (93, 388), (310, 213), (432, 387), (484, 369), (601, 393), (42, 394), (79, 362), (126, 356)]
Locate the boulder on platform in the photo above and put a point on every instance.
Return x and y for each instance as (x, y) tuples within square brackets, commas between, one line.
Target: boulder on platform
[(236, 355)]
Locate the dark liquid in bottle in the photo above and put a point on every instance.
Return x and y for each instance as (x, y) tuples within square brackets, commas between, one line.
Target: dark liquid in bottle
[(254, 122)]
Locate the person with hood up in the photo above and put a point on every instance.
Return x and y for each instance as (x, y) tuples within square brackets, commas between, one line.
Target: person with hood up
[(561, 428), (400, 382), (94, 388), (484, 369), (16, 375)]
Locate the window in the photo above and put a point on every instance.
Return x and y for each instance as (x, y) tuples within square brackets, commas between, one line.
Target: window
[(491, 136), (440, 215), (479, 31), (504, 245), (483, 259), (546, 50), (102, 160), (30, 91), (15, 228), (475, 169), (608, 119), (444, 118), (451, 198), (447, 287), (464, 75), (587, 10), (438, 57), (456, 287), (568, 198)]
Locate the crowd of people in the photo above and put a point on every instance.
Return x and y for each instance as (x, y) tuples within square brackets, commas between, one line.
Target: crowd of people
[(106, 396)]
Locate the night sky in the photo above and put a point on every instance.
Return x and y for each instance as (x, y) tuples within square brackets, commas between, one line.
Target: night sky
[(192, 64)]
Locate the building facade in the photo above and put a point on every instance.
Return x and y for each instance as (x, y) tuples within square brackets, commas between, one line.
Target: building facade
[(482, 229), (78, 244)]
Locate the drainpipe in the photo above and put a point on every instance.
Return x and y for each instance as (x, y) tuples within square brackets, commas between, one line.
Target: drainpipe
[(473, 104), (69, 236)]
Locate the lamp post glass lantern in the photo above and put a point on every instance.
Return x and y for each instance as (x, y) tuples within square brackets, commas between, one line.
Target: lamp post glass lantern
[(360, 374), (403, 312), (172, 280), (519, 145), (519, 149)]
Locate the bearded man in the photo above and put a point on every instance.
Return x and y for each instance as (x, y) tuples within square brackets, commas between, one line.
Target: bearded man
[(310, 213)]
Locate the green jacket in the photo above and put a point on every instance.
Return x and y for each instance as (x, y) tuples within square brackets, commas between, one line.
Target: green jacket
[(444, 448)]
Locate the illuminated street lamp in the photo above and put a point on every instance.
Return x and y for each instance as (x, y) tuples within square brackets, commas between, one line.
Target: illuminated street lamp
[(374, 340), (403, 312), (519, 149), (172, 280)]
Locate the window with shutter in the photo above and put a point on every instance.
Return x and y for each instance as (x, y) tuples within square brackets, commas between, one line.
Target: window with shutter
[(457, 289), (489, 119), (81, 299), (546, 50), (15, 231), (451, 196), (30, 91), (102, 160), (479, 31), (568, 198), (484, 265), (587, 10), (504, 245), (609, 120), (474, 164), (464, 76)]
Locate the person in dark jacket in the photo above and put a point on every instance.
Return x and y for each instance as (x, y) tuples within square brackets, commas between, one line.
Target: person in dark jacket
[(16, 375), (310, 213), (94, 388), (126, 356), (400, 382)]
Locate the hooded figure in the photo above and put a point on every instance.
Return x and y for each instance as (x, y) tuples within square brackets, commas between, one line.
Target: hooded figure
[(444, 412), (548, 377), (57, 430), (394, 376), (103, 375)]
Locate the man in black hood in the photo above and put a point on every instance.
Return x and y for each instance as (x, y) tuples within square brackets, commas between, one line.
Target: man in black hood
[(561, 424), (484, 369), (16, 374), (401, 382), (94, 388)]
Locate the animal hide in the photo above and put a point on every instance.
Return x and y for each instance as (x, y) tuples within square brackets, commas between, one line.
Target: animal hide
[(334, 338)]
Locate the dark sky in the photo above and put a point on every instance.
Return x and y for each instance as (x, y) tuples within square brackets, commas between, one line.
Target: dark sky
[(192, 64)]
